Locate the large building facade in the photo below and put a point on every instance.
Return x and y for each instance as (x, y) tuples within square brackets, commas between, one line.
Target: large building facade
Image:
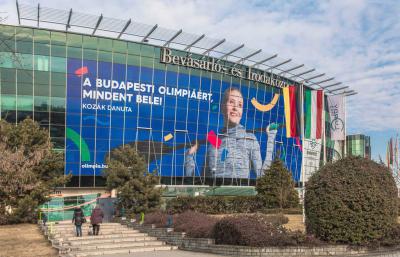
[(197, 120)]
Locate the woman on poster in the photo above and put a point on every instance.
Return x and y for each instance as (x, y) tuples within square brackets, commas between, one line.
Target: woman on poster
[(237, 151)]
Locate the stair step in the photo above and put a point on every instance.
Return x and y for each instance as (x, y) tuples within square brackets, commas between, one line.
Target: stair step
[(101, 231), (75, 238), (87, 225), (115, 245), (84, 233), (123, 250), (113, 240)]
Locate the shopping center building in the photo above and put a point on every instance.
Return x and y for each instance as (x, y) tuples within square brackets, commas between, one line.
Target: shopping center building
[(359, 145), (202, 111)]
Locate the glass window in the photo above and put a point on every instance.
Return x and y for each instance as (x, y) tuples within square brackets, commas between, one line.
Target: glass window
[(42, 36), (119, 46), (7, 31), (147, 50), (133, 60), (24, 61), (42, 49), (159, 66), (25, 76), (119, 58), (41, 89), (42, 118), (74, 40), (105, 44), (105, 56), (41, 103), (24, 88), (58, 64), (8, 88), (57, 131), (57, 104), (58, 91), (24, 47), (58, 78), (41, 63), (23, 114), (90, 42), (58, 38), (24, 34), (8, 75), (58, 142), (74, 52), (89, 54), (133, 48), (57, 50), (7, 45), (24, 103), (42, 77), (147, 62), (57, 118), (7, 60), (8, 102)]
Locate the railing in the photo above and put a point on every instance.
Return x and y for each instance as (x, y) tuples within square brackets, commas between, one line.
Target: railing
[(62, 208)]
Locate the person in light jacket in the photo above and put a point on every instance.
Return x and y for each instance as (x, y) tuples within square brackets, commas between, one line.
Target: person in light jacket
[(95, 219)]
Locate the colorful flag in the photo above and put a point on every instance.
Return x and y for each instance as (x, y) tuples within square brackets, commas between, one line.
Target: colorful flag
[(312, 149), (290, 97), (337, 117), (313, 111)]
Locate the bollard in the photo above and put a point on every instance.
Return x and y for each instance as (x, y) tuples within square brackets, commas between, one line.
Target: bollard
[(141, 217)]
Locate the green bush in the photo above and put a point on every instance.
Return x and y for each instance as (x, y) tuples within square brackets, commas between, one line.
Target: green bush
[(224, 205), (353, 200), (276, 187), (135, 186)]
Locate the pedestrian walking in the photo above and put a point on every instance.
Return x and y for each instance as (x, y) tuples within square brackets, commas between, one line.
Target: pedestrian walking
[(96, 218), (78, 219), (44, 218)]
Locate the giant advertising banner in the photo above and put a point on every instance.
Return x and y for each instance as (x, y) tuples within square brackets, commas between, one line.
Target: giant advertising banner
[(184, 125)]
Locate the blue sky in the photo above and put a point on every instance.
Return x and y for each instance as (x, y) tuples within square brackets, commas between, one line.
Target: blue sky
[(357, 42)]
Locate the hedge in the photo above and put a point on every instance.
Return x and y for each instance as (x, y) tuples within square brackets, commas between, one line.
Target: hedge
[(224, 205)]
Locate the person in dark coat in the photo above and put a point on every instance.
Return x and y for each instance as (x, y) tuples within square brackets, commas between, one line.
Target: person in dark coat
[(78, 219), (96, 218), (44, 218)]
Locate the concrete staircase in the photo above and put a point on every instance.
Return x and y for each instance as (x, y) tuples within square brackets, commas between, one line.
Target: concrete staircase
[(113, 238)]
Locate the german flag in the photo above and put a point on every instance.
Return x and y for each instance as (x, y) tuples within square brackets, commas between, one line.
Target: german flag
[(292, 116)]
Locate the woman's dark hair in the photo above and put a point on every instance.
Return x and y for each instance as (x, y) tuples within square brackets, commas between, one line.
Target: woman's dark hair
[(227, 91)]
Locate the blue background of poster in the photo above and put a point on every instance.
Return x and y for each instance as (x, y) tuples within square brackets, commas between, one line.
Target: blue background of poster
[(103, 130)]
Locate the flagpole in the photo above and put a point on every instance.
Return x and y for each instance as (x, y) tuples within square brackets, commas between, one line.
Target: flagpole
[(323, 124), (303, 191), (345, 127)]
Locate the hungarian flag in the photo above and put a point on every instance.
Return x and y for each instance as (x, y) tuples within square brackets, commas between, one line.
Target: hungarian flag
[(313, 111), (291, 101)]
